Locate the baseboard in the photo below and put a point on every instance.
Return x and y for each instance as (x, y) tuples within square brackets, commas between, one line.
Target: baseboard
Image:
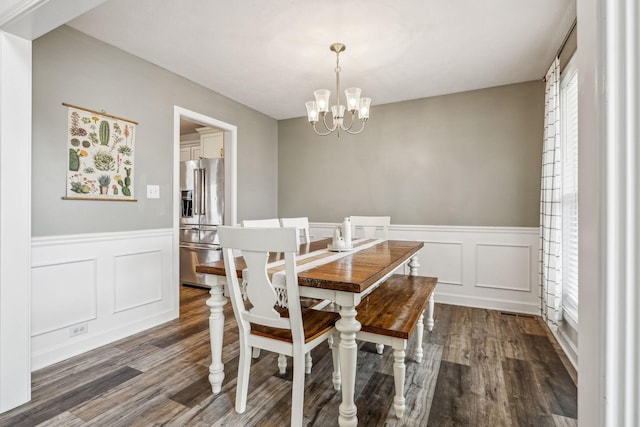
[(487, 303), (569, 348)]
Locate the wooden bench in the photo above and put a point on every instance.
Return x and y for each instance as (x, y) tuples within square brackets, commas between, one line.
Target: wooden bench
[(390, 314)]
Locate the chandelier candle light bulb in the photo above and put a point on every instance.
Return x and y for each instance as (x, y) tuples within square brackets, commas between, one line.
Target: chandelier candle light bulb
[(320, 107)]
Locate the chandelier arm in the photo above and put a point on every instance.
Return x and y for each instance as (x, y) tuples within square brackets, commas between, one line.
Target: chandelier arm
[(320, 133), (356, 132), (327, 127), (346, 128)]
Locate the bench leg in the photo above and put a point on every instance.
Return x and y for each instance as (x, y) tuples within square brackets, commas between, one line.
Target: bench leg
[(418, 353), (379, 348), (430, 308), (255, 352), (282, 364), (335, 354), (399, 370)]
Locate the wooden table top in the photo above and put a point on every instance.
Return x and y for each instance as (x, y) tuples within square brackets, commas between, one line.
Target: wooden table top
[(352, 273)]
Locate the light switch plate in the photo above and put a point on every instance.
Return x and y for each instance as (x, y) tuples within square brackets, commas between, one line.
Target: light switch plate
[(153, 191)]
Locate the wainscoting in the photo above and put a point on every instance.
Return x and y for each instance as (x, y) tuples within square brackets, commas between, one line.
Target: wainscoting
[(92, 289), (89, 290), (485, 267)]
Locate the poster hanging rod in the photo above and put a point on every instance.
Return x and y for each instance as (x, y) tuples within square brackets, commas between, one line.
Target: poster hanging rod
[(100, 113)]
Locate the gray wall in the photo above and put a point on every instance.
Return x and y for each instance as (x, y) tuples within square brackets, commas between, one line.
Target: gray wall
[(70, 67), (471, 158)]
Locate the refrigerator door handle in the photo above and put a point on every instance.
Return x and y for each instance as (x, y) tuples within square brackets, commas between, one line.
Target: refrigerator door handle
[(203, 189), (196, 192)]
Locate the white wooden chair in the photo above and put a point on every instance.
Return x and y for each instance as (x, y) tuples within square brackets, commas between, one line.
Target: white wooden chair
[(275, 223), (369, 225), (261, 223), (293, 333), (301, 224), (268, 223)]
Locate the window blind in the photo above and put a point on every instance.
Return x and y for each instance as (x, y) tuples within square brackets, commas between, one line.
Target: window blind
[(569, 123)]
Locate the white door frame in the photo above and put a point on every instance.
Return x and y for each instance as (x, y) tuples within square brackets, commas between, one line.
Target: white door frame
[(15, 221), (230, 174), (20, 22)]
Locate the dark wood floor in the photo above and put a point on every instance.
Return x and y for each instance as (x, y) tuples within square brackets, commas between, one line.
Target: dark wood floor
[(481, 368)]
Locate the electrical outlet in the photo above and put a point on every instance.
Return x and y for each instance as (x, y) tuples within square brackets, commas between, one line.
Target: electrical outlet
[(153, 191), (79, 329)]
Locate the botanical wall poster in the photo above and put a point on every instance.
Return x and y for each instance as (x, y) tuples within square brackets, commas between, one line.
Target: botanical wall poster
[(101, 162)]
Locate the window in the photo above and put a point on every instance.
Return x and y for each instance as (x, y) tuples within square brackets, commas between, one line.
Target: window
[(569, 143)]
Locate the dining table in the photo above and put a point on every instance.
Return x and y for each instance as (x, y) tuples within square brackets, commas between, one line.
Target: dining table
[(343, 277)]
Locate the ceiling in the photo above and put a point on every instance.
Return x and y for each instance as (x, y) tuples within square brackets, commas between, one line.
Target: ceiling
[(271, 55)]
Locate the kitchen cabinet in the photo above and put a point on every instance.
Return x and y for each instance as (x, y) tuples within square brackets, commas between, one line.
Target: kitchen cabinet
[(208, 143), (211, 143), (190, 148), (189, 152)]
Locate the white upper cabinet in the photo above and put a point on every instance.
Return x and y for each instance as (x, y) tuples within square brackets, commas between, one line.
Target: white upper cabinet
[(208, 143), (211, 143), (190, 147)]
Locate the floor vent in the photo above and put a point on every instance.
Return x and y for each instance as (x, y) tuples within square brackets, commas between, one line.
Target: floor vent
[(528, 316)]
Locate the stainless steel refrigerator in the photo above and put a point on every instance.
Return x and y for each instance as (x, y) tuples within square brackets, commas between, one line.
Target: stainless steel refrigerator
[(201, 211)]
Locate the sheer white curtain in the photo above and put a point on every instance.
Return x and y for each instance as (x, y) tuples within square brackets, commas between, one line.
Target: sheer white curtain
[(550, 207)]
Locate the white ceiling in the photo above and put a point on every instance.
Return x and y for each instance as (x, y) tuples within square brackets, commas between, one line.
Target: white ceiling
[(271, 54)]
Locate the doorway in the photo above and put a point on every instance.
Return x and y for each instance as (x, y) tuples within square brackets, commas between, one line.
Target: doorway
[(230, 174)]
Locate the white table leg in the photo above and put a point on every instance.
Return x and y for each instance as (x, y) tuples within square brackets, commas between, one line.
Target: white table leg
[(348, 326), (379, 348), (308, 363), (414, 264), (334, 344), (216, 335), (282, 364)]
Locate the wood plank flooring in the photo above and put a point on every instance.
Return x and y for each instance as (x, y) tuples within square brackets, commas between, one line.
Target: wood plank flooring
[(481, 368)]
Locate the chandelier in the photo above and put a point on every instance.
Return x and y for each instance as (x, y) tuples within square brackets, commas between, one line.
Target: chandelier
[(320, 107)]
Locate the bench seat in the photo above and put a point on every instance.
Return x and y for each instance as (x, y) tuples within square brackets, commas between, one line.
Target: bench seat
[(390, 314), (395, 306)]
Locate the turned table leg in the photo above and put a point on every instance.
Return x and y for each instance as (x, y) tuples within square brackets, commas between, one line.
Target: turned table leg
[(334, 343), (348, 326), (216, 304), (414, 264)]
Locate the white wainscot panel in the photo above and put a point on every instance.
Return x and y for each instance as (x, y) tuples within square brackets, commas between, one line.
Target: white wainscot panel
[(62, 294), (503, 266), (442, 260), (487, 267), (138, 279)]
